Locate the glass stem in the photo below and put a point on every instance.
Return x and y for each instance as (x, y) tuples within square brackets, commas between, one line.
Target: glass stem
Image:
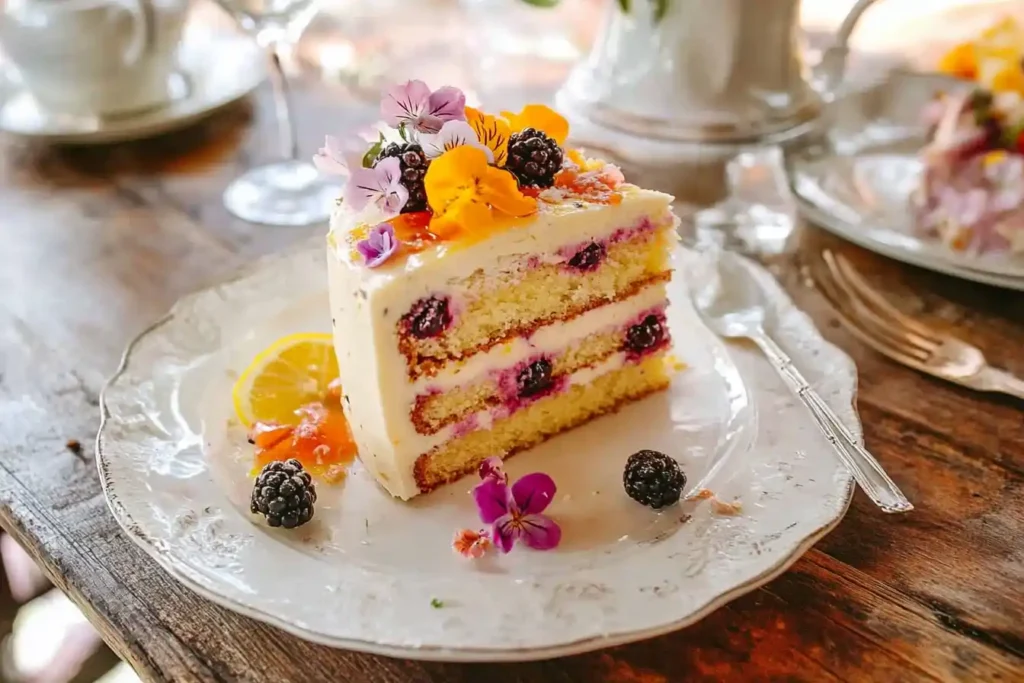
[(282, 106)]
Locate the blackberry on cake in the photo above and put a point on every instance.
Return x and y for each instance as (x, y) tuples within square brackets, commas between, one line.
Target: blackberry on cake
[(534, 158), (414, 164), (283, 493)]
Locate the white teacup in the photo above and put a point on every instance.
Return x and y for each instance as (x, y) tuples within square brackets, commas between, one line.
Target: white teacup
[(94, 57)]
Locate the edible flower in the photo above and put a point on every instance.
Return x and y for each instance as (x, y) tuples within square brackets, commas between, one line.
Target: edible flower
[(379, 245), (539, 117), (452, 134), (339, 155), (465, 192), (493, 132), (471, 544), (380, 185), (412, 105), (514, 512)]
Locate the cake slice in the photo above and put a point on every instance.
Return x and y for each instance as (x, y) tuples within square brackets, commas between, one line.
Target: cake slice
[(528, 299)]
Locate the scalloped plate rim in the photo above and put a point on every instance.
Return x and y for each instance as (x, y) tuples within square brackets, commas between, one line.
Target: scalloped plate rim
[(184, 574)]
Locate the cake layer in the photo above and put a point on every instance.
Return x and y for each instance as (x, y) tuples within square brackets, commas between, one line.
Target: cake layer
[(589, 397), (483, 316), (527, 372)]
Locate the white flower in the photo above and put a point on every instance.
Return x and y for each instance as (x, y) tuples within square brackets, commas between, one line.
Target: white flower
[(453, 134)]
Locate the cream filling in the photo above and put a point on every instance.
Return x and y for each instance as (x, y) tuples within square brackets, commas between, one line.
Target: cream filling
[(548, 339)]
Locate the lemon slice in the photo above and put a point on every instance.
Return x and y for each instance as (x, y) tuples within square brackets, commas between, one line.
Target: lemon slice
[(291, 372)]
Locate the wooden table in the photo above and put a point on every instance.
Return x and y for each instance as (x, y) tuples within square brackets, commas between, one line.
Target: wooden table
[(97, 243)]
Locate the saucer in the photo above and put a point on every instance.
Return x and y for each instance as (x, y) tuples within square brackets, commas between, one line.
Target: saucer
[(215, 68)]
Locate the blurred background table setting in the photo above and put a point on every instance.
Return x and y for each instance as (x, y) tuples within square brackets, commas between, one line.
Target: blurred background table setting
[(150, 148)]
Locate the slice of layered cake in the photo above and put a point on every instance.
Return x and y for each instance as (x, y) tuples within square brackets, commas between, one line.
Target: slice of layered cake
[(489, 288)]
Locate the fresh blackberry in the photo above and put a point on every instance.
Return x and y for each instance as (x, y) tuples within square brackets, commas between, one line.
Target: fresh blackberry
[(653, 479), (588, 257), (284, 494), (534, 379), (413, 163), (533, 158), (429, 317), (645, 335)]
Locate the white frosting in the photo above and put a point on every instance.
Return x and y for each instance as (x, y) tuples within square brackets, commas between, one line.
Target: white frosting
[(367, 303)]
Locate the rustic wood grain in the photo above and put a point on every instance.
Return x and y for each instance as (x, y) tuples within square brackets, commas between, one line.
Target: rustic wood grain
[(97, 243)]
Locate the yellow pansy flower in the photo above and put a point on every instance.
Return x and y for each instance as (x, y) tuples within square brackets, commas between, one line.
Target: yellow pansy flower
[(493, 133), (468, 195)]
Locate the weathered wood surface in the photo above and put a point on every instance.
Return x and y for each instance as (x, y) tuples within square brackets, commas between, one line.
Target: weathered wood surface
[(98, 243)]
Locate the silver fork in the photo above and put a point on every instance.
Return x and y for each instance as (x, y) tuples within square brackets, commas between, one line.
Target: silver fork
[(877, 323)]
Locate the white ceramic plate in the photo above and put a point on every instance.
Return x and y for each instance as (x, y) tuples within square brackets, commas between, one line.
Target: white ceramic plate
[(858, 182), (362, 575), (216, 68)]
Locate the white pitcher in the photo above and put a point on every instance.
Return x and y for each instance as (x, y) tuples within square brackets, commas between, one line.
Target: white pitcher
[(94, 57), (703, 71)]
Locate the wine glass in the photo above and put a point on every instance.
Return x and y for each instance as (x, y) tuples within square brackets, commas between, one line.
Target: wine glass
[(290, 191)]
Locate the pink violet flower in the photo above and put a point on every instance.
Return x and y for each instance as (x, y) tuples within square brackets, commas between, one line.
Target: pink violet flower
[(471, 544), (339, 156), (379, 245), (514, 512), (413, 104), (380, 185)]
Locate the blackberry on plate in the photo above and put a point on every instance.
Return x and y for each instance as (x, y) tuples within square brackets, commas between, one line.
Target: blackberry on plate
[(534, 378), (284, 494), (653, 479), (588, 257), (645, 335), (533, 158), (413, 163), (429, 317)]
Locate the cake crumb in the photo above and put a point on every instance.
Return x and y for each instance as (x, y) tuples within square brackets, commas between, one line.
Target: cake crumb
[(74, 445), (675, 363), (721, 507), (703, 494)]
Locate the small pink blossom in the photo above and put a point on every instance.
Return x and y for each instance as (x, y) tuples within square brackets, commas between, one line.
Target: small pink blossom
[(379, 245), (514, 512), (413, 105), (339, 156), (380, 185), (471, 544)]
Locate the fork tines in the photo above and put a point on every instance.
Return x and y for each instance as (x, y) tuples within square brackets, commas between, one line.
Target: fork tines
[(871, 318)]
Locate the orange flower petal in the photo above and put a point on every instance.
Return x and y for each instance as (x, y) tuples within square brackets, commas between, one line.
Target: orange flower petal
[(452, 174), (500, 189), (542, 118), (492, 131)]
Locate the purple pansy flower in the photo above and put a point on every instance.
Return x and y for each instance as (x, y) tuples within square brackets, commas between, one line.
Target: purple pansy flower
[(514, 512), (419, 109), (380, 185), (379, 245)]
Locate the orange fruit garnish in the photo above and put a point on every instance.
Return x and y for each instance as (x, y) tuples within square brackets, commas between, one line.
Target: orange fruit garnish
[(321, 441)]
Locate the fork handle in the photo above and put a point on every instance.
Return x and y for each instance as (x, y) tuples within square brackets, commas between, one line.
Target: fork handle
[(865, 469), (994, 379)]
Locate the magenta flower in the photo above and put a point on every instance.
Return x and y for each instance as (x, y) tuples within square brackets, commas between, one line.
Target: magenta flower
[(415, 107), (514, 512), (379, 245), (380, 185)]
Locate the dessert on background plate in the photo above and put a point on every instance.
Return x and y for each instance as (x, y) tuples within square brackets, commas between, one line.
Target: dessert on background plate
[(489, 287), (993, 60), (971, 192)]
